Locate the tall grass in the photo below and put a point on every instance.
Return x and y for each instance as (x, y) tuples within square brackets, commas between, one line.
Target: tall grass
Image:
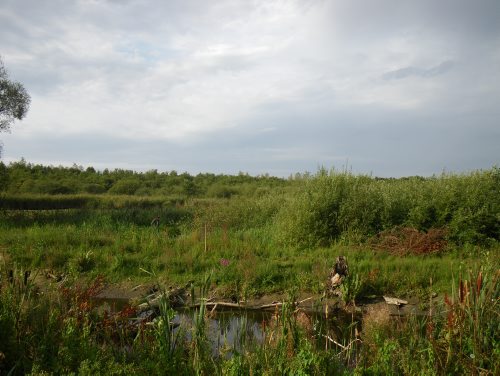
[(104, 244)]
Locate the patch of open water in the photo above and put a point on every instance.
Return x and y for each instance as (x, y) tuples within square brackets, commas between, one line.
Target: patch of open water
[(235, 330)]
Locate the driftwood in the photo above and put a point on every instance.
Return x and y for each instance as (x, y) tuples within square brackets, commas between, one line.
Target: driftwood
[(395, 301), (137, 287), (217, 304), (175, 297), (155, 302), (240, 306)]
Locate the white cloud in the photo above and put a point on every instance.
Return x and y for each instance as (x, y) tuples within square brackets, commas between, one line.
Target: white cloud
[(195, 72)]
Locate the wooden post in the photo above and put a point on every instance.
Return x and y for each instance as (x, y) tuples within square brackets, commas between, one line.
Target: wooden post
[(205, 238), (430, 300)]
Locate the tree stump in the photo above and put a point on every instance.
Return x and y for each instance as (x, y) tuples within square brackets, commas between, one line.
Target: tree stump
[(337, 273)]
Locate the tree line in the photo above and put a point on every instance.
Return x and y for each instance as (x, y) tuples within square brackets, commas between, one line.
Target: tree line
[(26, 178)]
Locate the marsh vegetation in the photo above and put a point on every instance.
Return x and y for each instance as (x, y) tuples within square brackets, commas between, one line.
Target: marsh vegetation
[(239, 238)]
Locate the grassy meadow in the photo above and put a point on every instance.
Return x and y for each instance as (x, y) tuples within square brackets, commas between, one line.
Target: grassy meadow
[(242, 237)]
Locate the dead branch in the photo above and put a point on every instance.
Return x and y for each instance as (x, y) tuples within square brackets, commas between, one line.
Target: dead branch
[(344, 348)]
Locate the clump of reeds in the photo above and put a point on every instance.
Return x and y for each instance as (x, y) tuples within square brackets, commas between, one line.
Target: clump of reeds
[(470, 337), (458, 336)]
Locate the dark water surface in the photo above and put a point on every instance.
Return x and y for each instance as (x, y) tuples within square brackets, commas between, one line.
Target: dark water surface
[(235, 330)]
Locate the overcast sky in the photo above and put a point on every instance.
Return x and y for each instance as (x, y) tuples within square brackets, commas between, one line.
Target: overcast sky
[(390, 87)]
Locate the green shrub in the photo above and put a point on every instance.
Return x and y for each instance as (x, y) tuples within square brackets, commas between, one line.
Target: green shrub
[(125, 187), (333, 206), (94, 188)]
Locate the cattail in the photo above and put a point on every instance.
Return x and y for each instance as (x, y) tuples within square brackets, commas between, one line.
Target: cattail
[(430, 329), (27, 274), (479, 282), (461, 291), (450, 319), (447, 300)]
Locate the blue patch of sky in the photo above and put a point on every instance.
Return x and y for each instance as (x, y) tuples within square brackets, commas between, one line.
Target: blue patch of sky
[(148, 52)]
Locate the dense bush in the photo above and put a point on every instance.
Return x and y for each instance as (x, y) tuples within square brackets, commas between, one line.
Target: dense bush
[(333, 205), (94, 188), (125, 187)]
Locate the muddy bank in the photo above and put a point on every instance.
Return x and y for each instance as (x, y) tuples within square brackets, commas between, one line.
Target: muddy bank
[(145, 297)]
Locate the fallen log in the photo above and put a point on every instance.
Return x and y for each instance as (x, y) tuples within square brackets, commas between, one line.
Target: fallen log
[(234, 305), (176, 298), (242, 306)]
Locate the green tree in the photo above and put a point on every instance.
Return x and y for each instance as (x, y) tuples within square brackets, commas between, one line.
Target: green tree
[(14, 100)]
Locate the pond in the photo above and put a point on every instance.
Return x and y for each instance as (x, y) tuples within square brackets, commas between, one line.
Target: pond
[(236, 330)]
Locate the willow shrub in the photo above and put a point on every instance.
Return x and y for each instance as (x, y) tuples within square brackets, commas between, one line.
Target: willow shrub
[(334, 205)]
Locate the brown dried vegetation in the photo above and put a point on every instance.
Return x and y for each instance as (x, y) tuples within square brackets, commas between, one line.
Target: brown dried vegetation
[(408, 240)]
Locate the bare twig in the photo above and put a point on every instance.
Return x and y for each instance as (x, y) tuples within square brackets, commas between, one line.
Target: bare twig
[(271, 305), (215, 304), (211, 314), (344, 348), (304, 300)]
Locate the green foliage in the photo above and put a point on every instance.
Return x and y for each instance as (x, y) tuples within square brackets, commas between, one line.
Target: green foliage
[(65, 336), (168, 342), (242, 213), (351, 287), (84, 262), (14, 100), (117, 242), (250, 243), (313, 216), (26, 178), (85, 201), (221, 191), (461, 339), (125, 187), (335, 206), (94, 188), (308, 211)]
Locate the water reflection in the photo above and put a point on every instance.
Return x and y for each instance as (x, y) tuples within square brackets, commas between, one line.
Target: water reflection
[(231, 331)]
